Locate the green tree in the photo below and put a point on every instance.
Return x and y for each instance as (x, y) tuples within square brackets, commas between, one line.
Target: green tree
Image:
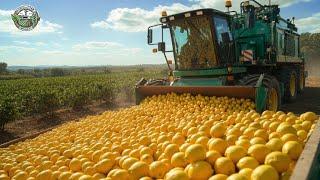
[(3, 67), (57, 72), (310, 44)]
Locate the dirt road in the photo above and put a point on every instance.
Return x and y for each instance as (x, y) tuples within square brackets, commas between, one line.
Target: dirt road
[(308, 101)]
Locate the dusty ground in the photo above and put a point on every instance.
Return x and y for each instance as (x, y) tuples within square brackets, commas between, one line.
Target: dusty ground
[(308, 101), (32, 125)]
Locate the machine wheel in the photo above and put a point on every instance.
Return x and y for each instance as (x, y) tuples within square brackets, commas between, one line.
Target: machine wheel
[(302, 81), (290, 80), (274, 96), (272, 86)]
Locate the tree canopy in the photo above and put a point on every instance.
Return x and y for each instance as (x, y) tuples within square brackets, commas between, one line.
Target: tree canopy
[(310, 44), (3, 67)]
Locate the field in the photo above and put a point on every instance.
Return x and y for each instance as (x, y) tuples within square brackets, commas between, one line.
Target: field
[(32, 96)]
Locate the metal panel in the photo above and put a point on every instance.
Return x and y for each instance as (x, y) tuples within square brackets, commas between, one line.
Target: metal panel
[(308, 165), (209, 72), (230, 91)]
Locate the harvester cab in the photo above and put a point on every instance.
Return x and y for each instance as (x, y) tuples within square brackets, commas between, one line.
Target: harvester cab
[(225, 54)]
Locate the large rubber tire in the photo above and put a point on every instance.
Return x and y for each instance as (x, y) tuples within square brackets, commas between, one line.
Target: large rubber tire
[(270, 83), (290, 85), (301, 81)]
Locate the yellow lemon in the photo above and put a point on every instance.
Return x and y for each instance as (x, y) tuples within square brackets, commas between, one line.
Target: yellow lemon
[(286, 129), (86, 177), (199, 170), (195, 152), (212, 156), (127, 163), (235, 153), (104, 166), (245, 143), (218, 130), (43, 175), (308, 116), (237, 176), (178, 139), (146, 158), (120, 174), (218, 177), (20, 175), (275, 144), (247, 162), (257, 140), (280, 161), (139, 169), (264, 172), (178, 160), (224, 165), (218, 144), (262, 134), (259, 152), (289, 137), (302, 134), (176, 174), (170, 150), (157, 169), (64, 175), (246, 172), (75, 165), (293, 149)]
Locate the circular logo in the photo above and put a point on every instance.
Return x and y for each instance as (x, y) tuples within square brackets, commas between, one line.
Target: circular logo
[(25, 18)]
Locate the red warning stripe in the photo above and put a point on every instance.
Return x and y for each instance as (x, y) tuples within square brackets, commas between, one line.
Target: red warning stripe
[(247, 55)]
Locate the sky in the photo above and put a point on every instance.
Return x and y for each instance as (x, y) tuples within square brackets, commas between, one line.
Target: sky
[(109, 32)]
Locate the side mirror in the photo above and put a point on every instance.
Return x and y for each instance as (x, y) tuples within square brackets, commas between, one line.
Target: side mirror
[(162, 46), (149, 36)]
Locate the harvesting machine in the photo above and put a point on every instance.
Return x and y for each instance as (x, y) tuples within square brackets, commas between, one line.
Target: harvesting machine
[(254, 53)]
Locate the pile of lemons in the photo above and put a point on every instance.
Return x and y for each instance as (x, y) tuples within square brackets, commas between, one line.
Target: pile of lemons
[(171, 137)]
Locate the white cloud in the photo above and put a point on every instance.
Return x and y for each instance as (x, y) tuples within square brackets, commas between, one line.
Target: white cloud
[(138, 19), (96, 45), (104, 48), (44, 26), (40, 43), (52, 52), (21, 42), (26, 43), (309, 24), (16, 48)]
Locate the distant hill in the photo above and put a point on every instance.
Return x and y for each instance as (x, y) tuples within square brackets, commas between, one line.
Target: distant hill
[(15, 68), (41, 67)]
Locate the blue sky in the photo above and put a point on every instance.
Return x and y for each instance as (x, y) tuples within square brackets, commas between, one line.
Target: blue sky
[(104, 32)]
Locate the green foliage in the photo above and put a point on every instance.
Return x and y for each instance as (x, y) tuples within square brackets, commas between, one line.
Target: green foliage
[(7, 111), (57, 72), (3, 67), (45, 95), (310, 44)]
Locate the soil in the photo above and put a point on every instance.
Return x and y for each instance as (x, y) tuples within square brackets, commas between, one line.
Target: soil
[(31, 125), (309, 100)]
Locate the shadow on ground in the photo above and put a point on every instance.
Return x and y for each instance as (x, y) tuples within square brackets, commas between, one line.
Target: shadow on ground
[(308, 101)]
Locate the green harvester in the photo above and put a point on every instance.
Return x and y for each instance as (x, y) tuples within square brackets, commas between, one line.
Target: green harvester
[(252, 54)]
